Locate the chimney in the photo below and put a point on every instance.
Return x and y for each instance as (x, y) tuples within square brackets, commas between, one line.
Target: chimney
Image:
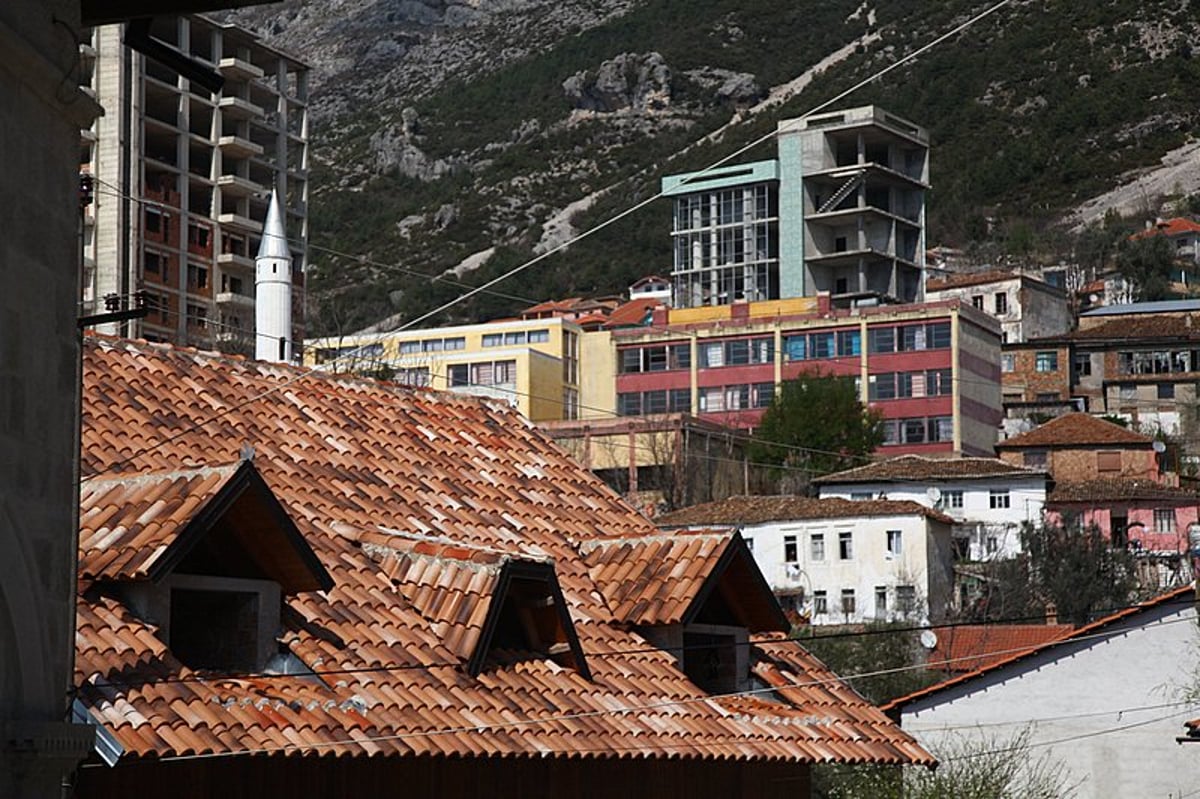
[(1051, 613), (273, 290)]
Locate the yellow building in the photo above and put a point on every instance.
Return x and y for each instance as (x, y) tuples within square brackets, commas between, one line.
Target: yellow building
[(533, 364)]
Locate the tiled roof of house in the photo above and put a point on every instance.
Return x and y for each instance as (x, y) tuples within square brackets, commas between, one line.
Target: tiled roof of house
[(970, 279), (915, 468), (759, 509), (1076, 430), (633, 313), (430, 512), (1178, 595), (1117, 489), (1170, 227), (968, 647), (1129, 328)]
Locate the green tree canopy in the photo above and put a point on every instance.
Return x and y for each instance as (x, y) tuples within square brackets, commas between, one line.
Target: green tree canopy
[(1147, 264), (1070, 565), (816, 424)]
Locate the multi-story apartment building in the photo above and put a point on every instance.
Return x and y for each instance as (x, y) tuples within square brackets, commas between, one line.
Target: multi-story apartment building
[(841, 209), (1140, 361), (532, 364), (1025, 306), (931, 369), (183, 178)]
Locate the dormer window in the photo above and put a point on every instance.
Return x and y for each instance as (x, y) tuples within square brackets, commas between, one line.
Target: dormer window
[(205, 554)]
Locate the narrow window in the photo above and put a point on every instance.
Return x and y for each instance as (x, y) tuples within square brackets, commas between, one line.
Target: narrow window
[(790, 554), (998, 498), (846, 546), (817, 546), (820, 603), (848, 601), (894, 543)]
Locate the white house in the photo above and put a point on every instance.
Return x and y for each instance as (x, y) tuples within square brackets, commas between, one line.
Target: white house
[(988, 499), (1106, 702), (1026, 307), (833, 561)]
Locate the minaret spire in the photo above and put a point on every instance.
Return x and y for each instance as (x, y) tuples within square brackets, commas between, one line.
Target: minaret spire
[(273, 290)]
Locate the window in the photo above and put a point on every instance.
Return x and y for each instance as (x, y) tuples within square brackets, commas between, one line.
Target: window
[(197, 315), (712, 354), (459, 374), (821, 345), (906, 598), (197, 276), (1108, 462), (459, 343), (790, 554), (628, 404), (849, 342), (795, 348), (941, 428), (860, 496), (1166, 391), (895, 543), (539, 336), (882, 339), (1046, 361), (992, 545), (816, 545), (912, 431), (1082, 364), (882, 387), (1036, 459), (939, 335), (952, 498), (409, 347), (1127, 392), (998, 498), (1001, 302), (820, 603), (848, 601), (151, 261), (492, 339), (1008, 362), (763, 393), (881, 604), (846, 546), (977, 301), (570, 403), (1164, 520), (415, 376), (153, 221)]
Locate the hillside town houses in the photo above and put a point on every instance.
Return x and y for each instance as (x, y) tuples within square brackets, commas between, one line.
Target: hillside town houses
[(532, 556)]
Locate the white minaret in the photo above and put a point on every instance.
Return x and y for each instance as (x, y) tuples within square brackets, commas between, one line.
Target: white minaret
[(273, 290)]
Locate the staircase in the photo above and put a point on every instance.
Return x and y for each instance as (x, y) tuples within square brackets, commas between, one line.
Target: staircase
[(842, 193)]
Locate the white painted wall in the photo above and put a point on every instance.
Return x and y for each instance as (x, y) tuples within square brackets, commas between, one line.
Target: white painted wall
[(924, 562), (1105, 697), (994, 532)]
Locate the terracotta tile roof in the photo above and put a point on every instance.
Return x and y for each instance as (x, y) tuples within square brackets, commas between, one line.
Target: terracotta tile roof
[(969, 647), (916, 468), (970, 279), (1076, 430), (420, 506), (1180, 595), (1128, 329), (759, 509), (1170, 227), (1118, 489), (632, 313)]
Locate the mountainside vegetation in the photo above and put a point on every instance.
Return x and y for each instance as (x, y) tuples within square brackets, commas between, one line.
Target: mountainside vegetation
[(466, 128)]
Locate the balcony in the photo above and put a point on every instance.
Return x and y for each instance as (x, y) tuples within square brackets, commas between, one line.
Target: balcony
[(237, 69), (237, 147), (235, 301), (239, 222), (237, 108), (237, 186), (230, 261)]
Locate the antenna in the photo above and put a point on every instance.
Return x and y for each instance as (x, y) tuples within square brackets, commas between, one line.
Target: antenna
[(934, 493), (929, 639)]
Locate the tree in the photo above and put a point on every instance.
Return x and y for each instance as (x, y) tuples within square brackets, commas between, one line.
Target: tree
[(1146, 263), (1070, 565), (882, 660), (970, 767), (816, 424)]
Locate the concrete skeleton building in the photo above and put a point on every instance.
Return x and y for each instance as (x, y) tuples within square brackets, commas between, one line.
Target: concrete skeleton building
[(183, 179), (841, 209)]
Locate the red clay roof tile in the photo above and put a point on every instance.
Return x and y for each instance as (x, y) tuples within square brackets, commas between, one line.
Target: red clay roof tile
[(1076, 430), (408, 498)]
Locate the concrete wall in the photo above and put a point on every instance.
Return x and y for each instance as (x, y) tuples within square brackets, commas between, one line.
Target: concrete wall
[(1102, 709), (976, 385), (41, 113)]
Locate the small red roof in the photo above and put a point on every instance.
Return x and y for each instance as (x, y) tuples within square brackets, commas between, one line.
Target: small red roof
[(759, 509), (1169, 227), (1077, 430), (968, 647), (969, 279), (634, 313)]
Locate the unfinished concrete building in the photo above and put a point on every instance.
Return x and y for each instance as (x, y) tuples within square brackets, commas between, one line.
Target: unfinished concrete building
[(841, 209), (183, 179)]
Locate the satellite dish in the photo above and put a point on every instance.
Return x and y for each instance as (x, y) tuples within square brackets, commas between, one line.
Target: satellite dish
[(928, 639), (1159, 447), (934, 493)]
